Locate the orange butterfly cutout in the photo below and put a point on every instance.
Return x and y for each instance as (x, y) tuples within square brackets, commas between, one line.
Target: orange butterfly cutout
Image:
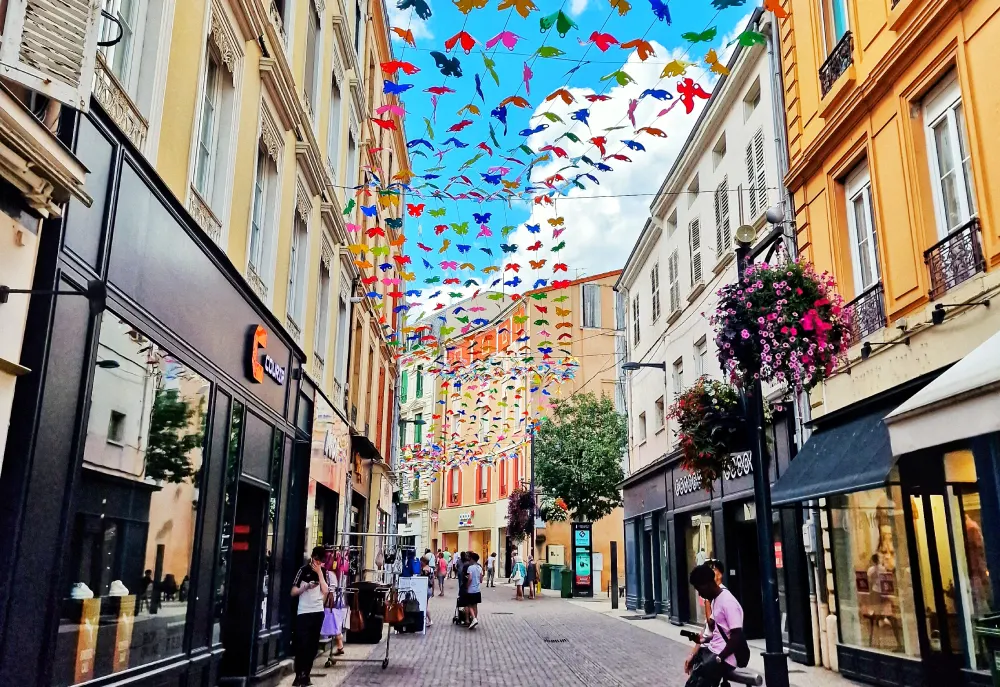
[(713, 60), (516, 101), (622, 6), (563, 94), (563, 313), (470, 108), (405, 34), (556, 221), (654, 132), (398, 243), (466, 6), (522, 7), (642, 48), (775, 6), (537, 264)]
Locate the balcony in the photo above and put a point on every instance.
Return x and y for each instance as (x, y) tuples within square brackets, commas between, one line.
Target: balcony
[(293, 328), (867, 313), (204, 217), (256, 283), (279, 25), (954, 259), (316, 367), (118, 104), (838, 62)]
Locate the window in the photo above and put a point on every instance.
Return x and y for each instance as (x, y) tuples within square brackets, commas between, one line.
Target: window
[(321, 338), (352, 160), (260, 251), (677, 377), (700, 354), (621, 311), (357, 26), (418, 428), (404, 385), (402, 434), (671, 224), (454, 486), (641, 427), (635, 321), (719, 152), (654, 286), (948, 153), (723, 231), (756, 175), (313, 46), (208, 128), (257, 212), (673, 277), (420, 381), (751, 100), (591, 305), (120, 56), (835, 22), (296, 268), (482, 482), (157, 407), (343, 331), (504, 481), (861, 222), (694, 241), (333, 130), (660, 414), (116, 428)]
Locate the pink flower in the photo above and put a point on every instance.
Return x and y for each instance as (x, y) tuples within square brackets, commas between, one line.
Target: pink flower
[(745, 334)]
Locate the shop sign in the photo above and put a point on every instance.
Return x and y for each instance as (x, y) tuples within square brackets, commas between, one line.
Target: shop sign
[(123, 638), (686, 484), (742, 466), (260, 363), (779, 557), (582, 555), (465, 519)]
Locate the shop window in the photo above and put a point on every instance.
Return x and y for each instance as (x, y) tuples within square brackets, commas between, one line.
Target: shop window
[(454, 487), (699, 546), (126, 595), (872, 571)]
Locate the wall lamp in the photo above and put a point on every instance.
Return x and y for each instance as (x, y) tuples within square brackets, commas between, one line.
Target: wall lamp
[(96, 293), (867, 348), (939, 311), (632, 367)]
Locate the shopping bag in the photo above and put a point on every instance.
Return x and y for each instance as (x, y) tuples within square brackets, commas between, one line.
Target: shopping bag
[(331, 625)]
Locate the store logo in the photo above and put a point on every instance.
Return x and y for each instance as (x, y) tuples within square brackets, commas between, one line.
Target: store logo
[(741, 466), (688, 484), (260, 363), (465, 519)]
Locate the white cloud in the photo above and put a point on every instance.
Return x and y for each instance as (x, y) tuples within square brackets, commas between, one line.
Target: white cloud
[(577, 7), (407, 19)]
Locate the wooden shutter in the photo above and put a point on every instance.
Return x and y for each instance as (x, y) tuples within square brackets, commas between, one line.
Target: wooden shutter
[(752, 181), (761, 182), (654, 278), (695, 240), (50, 46), (723, 233), (674, 279)]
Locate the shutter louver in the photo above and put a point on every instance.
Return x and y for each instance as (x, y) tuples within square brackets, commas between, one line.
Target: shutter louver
[(752, 181), (673, 277), (723, 233), (696, 271), (50, 46), (761, 181)]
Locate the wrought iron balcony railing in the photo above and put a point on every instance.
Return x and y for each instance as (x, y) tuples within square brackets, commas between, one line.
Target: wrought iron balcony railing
[(867, 312), (840, 58), (955, 258), (116, 101)]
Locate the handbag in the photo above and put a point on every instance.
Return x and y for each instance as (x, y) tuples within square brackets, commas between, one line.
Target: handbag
[(411, 604), (330, 600), (393, 609), (357, 618)]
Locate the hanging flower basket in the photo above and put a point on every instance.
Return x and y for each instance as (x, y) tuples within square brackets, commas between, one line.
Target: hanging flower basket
[(785, 324), (520, 513), (553, 510), (710, 427)]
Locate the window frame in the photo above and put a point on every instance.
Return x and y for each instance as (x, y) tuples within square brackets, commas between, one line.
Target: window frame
[(453, 494), (484, 482), (723, 223), (258, 212), (677, 376), (133, 37), (635, 320), (310, 81), (654, 288), (297, 262), (333, 126), (593, 322), (700, 354), (674, 281), (321, 335), (694, 248), (857, 186), (941, 104), (404, 385), (661, 414), (418, 429), (419, 392), (503, 477), (827, 23), (641, 428), (211, 152)]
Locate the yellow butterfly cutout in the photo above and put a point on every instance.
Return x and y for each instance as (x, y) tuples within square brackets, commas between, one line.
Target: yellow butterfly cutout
[(713, 60)]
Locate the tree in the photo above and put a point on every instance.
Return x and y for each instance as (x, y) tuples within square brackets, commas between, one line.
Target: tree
[(578, 455), (169, 440)]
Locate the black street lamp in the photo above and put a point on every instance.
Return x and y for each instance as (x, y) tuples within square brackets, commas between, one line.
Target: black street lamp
[(775, 659)]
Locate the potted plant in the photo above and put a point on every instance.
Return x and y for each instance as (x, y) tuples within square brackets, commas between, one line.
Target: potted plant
[(710, 427)]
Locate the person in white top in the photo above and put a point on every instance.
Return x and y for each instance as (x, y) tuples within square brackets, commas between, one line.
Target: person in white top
[(310, 587), (491, 570)]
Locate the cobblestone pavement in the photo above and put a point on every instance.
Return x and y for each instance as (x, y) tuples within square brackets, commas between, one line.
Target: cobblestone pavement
[(548, 642)]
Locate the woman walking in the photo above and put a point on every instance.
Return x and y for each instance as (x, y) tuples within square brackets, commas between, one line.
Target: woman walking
[(519, 573), (442, 571), (530, 576)]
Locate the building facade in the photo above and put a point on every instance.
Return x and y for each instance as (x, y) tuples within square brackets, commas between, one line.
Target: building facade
[(892, 168), (726, 176)]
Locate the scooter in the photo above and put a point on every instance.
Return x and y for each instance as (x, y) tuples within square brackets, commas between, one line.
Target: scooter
[(741, 676)]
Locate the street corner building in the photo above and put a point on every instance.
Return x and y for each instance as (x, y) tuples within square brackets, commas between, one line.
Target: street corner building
[(197, 375)]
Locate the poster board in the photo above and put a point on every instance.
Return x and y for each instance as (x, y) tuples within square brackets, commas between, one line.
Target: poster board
[(418, 583)]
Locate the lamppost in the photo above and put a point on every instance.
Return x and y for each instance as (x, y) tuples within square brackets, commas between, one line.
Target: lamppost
[(775, 659)]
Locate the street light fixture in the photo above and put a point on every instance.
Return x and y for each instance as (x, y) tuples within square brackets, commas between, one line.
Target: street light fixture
[(632, 367)]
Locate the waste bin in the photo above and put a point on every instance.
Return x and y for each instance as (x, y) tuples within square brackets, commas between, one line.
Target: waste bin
[(566, 577), (556, 582), (546, 572), (987, 631)]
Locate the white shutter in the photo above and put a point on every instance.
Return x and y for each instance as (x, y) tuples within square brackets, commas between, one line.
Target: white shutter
[(761, 181), (723, 233), (50, 46), (674, 279), (654, 278), (752, 181), (695, 240)]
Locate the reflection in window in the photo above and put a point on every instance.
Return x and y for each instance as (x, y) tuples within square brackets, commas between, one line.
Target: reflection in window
[(127, 585), (228, 515), (699, 546), (872, 568)]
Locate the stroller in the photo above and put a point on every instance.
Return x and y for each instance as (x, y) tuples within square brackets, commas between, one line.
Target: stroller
[(461, 615)]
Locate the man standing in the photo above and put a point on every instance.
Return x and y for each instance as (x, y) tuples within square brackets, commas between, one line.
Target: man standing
[(716, 657), (491, 570), (310, 587)]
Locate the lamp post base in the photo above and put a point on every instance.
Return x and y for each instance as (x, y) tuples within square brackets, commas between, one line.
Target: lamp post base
[(776, 669)]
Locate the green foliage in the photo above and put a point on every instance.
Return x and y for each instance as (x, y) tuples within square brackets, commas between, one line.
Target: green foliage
[(170, 439), (578, 455)]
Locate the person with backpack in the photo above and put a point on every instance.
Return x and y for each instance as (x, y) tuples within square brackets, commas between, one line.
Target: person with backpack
[(726, 648)]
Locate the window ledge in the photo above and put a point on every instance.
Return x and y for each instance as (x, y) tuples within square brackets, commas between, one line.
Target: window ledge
[(659, 431), (116, 443), (674, 316), (696, 291), (900, 12), (725, 260), (839, 91)]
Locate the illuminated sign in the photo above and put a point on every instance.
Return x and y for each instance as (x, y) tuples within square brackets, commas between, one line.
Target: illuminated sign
[(260, 363)]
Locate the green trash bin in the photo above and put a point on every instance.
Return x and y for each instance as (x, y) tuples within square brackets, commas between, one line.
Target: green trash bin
[(546, 573), (987, 631), (566, 575), (556, 581)]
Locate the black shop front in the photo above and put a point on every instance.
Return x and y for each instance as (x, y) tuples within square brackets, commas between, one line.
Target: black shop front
[(152, 500), (673, 525)]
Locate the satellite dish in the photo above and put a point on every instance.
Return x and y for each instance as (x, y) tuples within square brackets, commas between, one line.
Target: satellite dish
[(745, 234)]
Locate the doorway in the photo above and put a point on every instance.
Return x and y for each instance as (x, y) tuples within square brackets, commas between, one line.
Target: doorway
[(241, 620), (744, 568)]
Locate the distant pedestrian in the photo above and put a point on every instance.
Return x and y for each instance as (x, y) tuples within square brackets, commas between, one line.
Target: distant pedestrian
[(519, 573), (428, 571), (442, 571), (310, 587), (530, 577), (456, 559), (491, 570), (473, 593)]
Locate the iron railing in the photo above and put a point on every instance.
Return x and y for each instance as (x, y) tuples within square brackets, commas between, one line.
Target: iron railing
[(840, 58), (867, 313), (955, 258)]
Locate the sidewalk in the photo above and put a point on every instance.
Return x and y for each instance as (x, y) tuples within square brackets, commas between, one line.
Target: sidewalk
[(799, 675)]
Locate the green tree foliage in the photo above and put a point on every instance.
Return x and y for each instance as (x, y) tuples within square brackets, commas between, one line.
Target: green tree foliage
[(170, 438), (578, 455)]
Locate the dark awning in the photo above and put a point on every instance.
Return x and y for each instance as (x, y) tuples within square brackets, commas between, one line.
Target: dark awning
[(363, 445), (847, 457)]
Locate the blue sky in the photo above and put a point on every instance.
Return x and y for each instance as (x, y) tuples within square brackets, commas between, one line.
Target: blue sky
[(599, 222)]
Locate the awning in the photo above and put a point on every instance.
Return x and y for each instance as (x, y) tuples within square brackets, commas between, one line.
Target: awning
[(848, 457), (963, 402)]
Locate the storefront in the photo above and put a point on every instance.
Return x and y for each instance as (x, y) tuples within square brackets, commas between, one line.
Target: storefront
[(911, 486), (672, 525), (154, 511), (329, 464), (472, 528)]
